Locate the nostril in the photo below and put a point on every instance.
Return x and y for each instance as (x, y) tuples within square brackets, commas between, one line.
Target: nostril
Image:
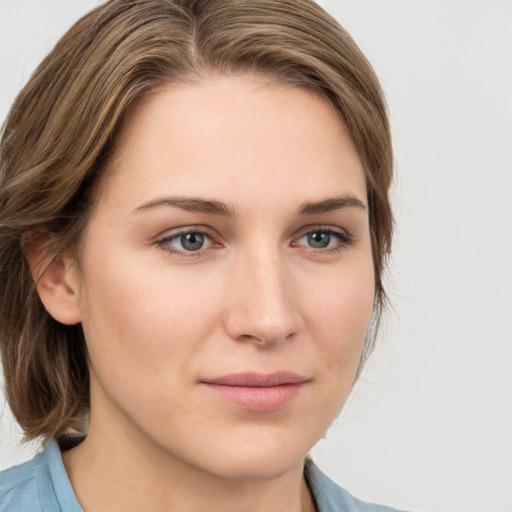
[(265, 341)]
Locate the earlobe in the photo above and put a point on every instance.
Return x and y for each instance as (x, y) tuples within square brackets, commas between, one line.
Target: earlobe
[(55, 276)]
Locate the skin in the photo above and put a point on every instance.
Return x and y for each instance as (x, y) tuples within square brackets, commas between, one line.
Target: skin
[(257, 297)]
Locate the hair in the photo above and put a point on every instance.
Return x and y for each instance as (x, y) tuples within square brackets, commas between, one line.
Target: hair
[(63, 126)]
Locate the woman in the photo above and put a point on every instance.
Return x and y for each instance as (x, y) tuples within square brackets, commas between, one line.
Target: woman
[(194, 225)]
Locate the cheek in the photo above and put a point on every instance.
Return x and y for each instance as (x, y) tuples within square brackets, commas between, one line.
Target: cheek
[(144, 337), (340, 312), (142, 319)]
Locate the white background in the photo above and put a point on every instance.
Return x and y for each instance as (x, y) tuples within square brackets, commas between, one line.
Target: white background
[(429, 427)]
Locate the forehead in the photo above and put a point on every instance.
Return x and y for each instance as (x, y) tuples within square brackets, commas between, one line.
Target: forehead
[(228, 136)]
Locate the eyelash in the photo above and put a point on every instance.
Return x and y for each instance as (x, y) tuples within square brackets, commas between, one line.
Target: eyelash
[(344, 240)]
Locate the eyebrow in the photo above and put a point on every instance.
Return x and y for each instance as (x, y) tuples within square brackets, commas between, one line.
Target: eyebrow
[(212, 206), (329, 205), (191, 204)]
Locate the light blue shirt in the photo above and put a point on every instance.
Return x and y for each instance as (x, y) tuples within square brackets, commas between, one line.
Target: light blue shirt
[(42, 485)]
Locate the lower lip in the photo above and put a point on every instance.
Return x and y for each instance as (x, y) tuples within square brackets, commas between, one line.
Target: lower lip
[(255, 398)]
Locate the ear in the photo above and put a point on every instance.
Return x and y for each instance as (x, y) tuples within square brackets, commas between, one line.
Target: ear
[(55, 275)]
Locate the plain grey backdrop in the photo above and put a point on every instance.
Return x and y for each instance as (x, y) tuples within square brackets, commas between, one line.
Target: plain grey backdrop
[(429, 426)]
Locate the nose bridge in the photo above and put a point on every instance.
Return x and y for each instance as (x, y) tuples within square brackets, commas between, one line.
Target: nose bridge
[(263, 309)]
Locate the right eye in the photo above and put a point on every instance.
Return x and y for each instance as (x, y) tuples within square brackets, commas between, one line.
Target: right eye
[(183, 242)]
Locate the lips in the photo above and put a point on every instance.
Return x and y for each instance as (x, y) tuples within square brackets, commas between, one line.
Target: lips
[(257, 392)]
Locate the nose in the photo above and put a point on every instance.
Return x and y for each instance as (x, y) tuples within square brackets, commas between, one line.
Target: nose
[(263, 306)]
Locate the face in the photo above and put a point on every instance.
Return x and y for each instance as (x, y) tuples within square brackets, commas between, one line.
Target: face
[(226, 279)]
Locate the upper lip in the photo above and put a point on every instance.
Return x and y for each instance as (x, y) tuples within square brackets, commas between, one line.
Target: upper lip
[(258, 379)]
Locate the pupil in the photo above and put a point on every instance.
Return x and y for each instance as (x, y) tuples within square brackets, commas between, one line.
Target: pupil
[(319, 240), (192, 241)]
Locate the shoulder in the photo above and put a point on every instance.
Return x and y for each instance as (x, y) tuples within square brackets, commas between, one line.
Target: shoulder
[(330, 497), (41, 484), (19, 486)]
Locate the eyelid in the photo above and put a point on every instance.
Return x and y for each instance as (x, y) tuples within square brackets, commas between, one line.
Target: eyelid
[(325, 228), (186, 228)]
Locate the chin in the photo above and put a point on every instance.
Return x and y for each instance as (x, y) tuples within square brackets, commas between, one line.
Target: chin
[(263, 468), (258, 460)]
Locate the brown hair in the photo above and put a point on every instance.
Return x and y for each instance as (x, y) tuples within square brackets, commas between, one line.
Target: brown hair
[(62, 127)]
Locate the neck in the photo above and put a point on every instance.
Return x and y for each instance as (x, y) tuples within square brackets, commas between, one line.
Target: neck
[(119, 473)]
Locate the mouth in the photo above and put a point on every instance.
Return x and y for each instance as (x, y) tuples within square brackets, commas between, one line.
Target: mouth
[(258, 392)]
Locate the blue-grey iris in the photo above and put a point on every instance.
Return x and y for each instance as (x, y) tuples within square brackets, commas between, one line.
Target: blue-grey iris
[(192, 241), (319, 240)]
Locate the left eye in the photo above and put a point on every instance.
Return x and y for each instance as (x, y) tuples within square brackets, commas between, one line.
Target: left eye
[(323, 239), (186, 242)]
